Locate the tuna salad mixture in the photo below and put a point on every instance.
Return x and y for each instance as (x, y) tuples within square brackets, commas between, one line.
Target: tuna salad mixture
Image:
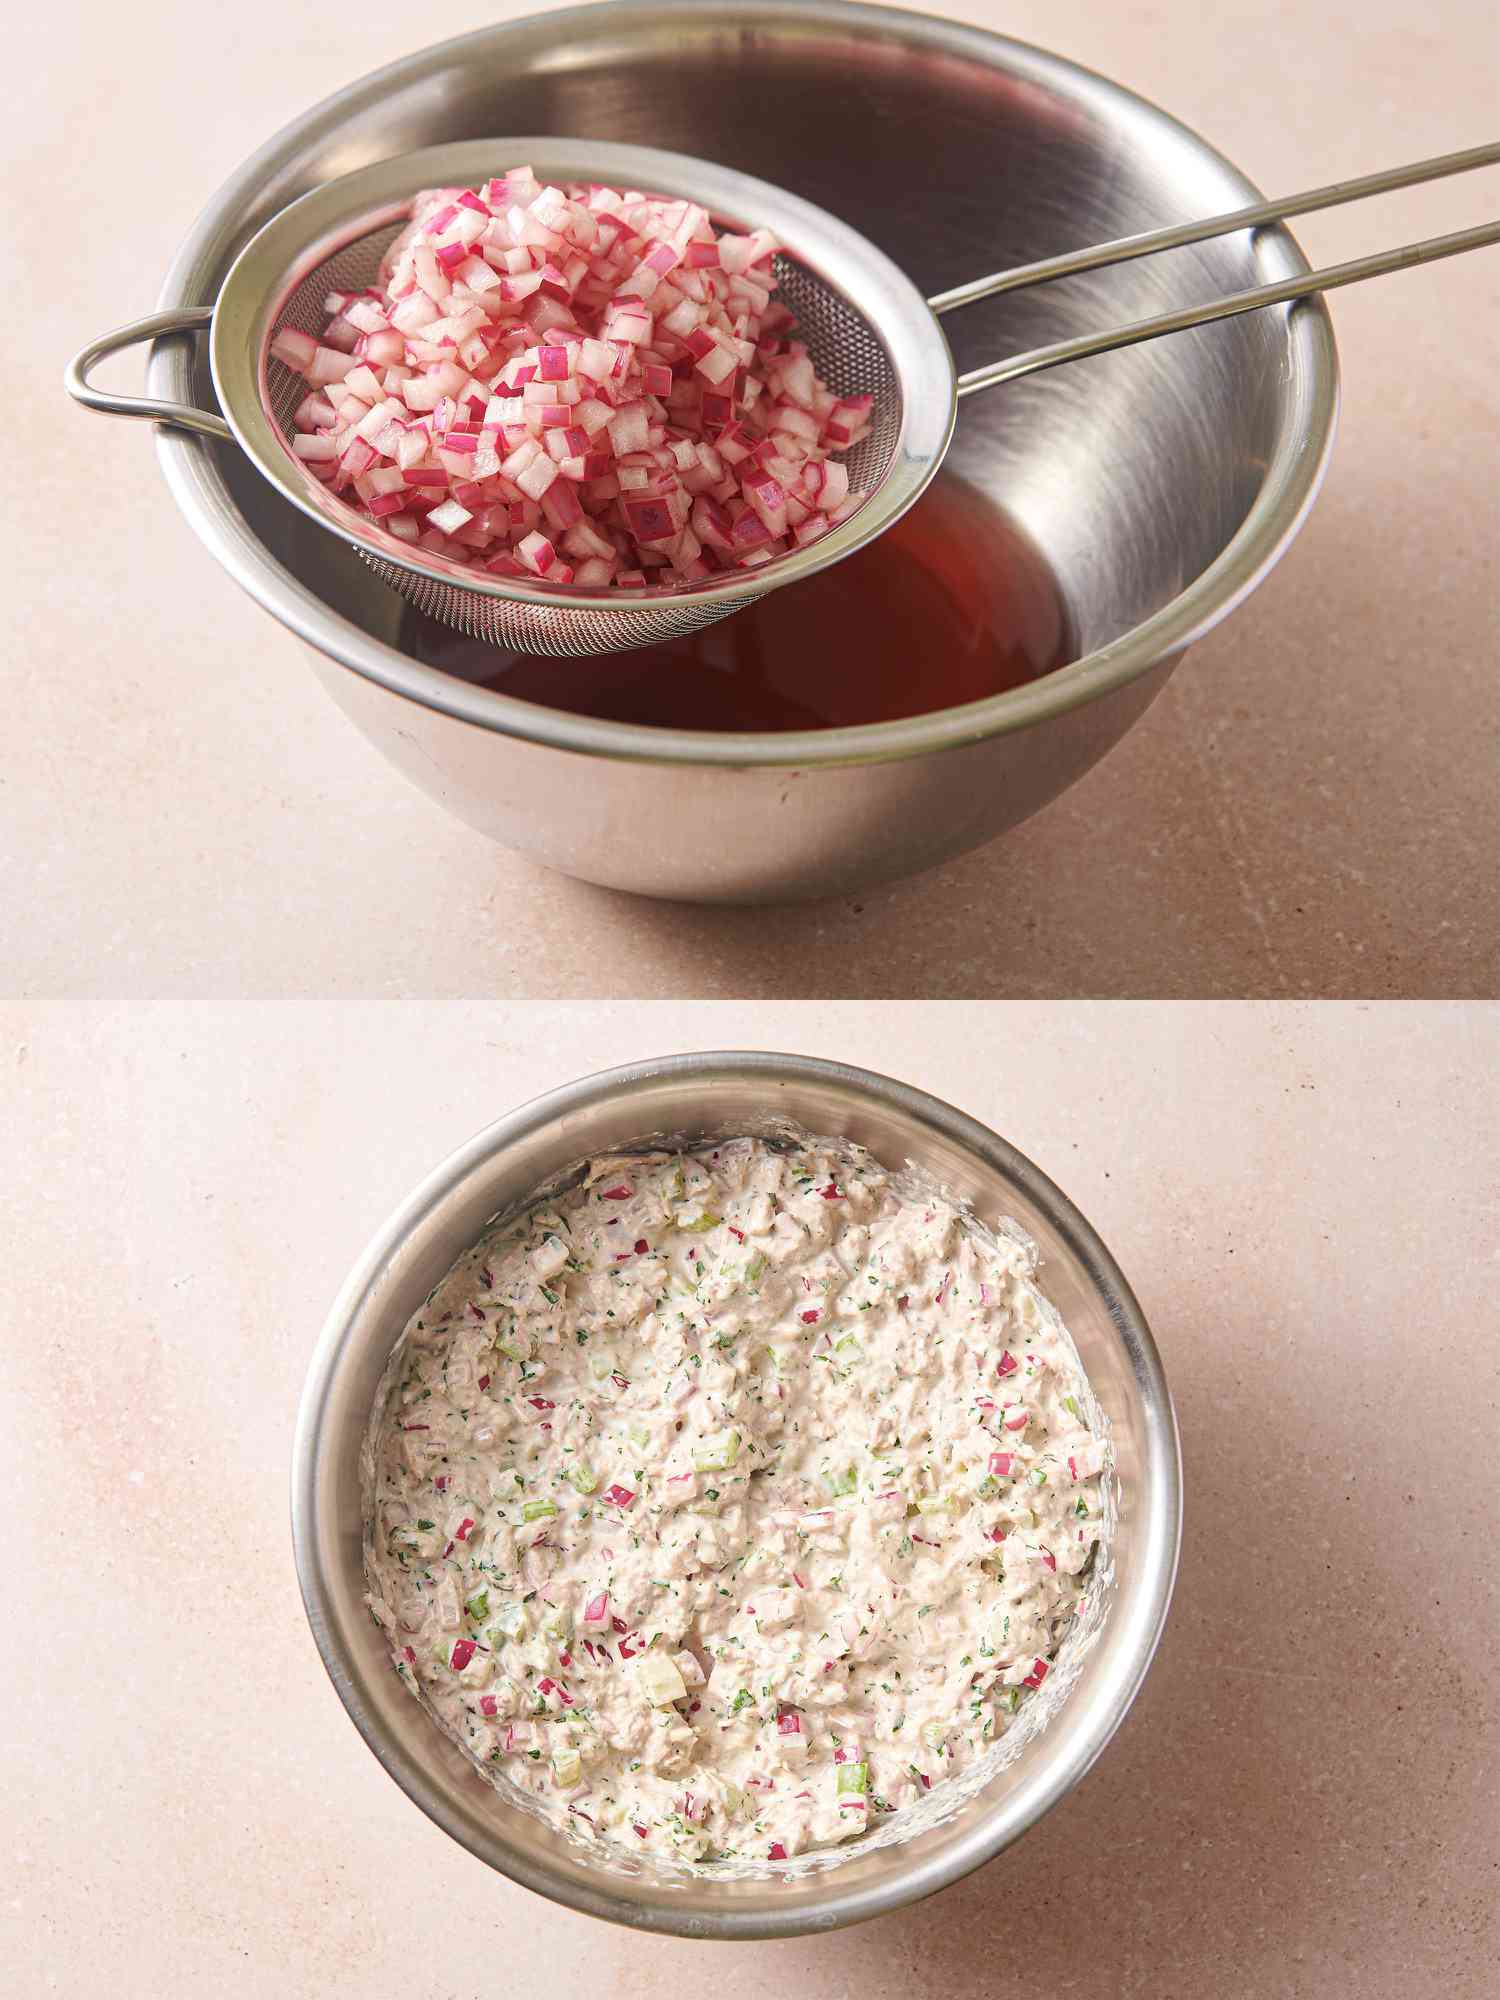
[(734, 1500)]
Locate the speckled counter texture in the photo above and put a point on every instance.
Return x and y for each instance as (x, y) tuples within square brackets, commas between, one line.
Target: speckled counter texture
[(1303, 1801), (1312, 806)]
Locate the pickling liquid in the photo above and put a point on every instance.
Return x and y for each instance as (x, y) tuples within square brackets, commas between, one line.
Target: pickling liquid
[(950, 605)]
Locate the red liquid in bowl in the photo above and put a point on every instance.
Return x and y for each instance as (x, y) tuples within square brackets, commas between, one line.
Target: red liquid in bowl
[(951, 605)]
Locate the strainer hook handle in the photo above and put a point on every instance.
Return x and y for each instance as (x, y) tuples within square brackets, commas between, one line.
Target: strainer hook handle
[(183, 319)]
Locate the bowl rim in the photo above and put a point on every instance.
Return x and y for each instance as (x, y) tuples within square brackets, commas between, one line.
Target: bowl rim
[(1160, 1527), (193, 473)]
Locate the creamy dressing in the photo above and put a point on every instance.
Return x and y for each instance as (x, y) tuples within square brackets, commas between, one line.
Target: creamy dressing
[(734, 1500)]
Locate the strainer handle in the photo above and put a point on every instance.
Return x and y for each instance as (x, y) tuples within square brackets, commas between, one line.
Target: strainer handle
[(1285, 292), (184, 319)]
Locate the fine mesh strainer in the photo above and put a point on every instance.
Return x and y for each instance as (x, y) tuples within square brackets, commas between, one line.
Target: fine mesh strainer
[(867, 327)]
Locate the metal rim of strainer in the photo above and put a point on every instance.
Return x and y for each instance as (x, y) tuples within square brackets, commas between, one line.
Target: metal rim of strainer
[(311, 231)]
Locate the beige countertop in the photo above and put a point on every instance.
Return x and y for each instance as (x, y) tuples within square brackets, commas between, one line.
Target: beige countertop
[(1305, 1800), (1311, 807)]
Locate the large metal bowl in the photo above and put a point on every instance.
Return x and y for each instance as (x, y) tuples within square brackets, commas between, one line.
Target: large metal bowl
[(1162, 482), (712, 1096)]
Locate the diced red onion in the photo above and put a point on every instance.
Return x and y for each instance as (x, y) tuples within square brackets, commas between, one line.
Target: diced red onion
[(566, 384)]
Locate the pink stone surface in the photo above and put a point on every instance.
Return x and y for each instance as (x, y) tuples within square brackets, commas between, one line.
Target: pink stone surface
[(1310, 808), (1304, 1799)]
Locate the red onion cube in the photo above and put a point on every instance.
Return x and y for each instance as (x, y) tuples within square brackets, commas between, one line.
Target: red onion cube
[(629, 324), (733, 444), (448, 516), (561, 505), (650, 520), (596, 359), (296, 350), (629, 429), (535, 478), (767, 499), (328, 365), (618, 1496), (539, 555)]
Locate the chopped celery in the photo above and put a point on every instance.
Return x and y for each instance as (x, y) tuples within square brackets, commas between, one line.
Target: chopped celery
[(836, 1484), (567, 1766), (717, 1453), (558, 1627), (478, 1606), (639, 1435), (660, 1681), (583, 1477), (744, 1699), (853, 1780), (935, 1503), (1070, 1405), (706, 1221), (754, 1271), (538, 1510), (510, 1623), (988, 1487), (849, 1347)]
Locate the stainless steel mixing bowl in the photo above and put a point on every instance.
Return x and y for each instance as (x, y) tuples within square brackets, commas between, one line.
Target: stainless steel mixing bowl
[(1162, 482), (712, 1095)]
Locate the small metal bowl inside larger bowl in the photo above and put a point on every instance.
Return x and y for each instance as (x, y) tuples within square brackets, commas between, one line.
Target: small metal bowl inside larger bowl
[(1161, 483), (713, 1096)]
